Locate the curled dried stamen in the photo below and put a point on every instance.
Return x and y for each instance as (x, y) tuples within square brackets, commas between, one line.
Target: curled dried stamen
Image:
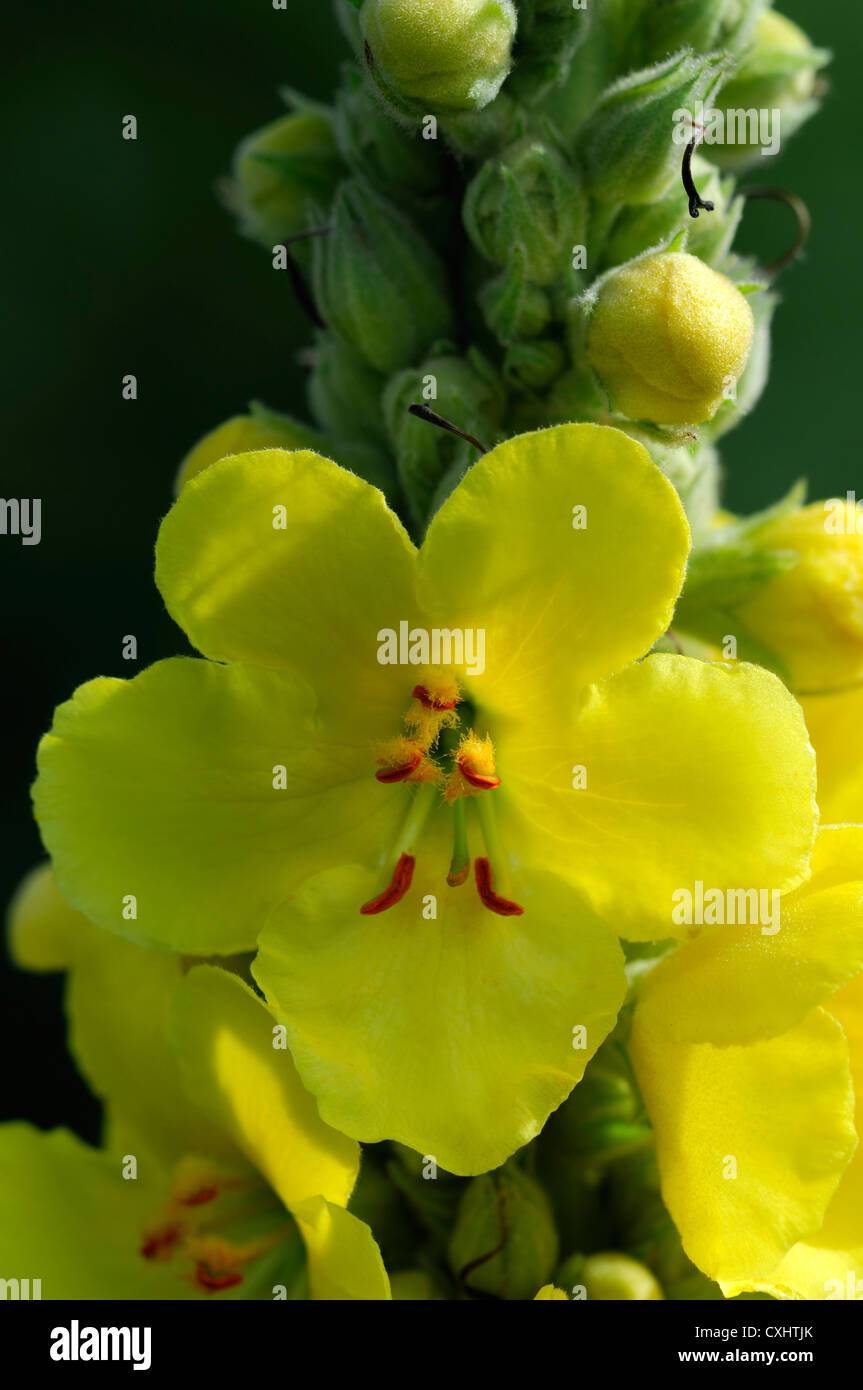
[(695, 199)]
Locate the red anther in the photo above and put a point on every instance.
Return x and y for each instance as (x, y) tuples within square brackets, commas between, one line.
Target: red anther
[(214, 1283), (399, 885), (158, 1244), (490, 899), (420, 693), (483, 784), (197, 1199), (399, 774)]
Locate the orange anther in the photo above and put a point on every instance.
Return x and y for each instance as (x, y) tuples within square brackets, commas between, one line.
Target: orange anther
[(490, 899)]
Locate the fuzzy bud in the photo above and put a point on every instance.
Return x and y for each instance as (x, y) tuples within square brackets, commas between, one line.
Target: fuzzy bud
[(279, 171), (668, 338), (627, 146), (529, 198), (504, 1241), (439, 55), (378, 284)]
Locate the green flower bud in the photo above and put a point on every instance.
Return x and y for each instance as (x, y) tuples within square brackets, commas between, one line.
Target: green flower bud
[(282, 169), (513, 307), (535, 365), (439, 55), (504, 1242), (345, 393), (604, 52), (432, 1194), (778, 74), (668, 338), (627, 147), (260, 429), (645, 225), (609, 1276), (347, 16), (529, 198), (603, 1116), (378, 284), (394, 160), (698, 24), (549, 33), (465, 390), (573, 1186)]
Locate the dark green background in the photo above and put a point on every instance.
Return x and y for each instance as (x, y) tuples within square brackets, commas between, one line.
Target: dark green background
[(117, 258)]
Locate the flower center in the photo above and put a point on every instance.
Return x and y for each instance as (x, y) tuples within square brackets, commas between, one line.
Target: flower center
[(219, 1223), (443, 754)]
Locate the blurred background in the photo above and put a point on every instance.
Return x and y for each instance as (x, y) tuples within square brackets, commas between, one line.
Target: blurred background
[(119, 259)]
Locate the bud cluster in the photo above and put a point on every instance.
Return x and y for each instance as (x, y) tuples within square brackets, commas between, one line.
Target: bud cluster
[(498, 227)]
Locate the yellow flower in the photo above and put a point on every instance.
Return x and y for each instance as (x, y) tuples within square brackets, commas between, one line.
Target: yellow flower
[(748, 1048), (275, 784), (811, 615), (239, 1188)]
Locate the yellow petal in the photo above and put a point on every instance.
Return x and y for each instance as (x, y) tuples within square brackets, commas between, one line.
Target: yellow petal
[(180, 806), (752, 1141), (312, 593), (693, 772), (224, 1037), (835, 724), (561, 604), (829, 1264), (45, 933), (739, 983), (437, 1022), (344, 1260)]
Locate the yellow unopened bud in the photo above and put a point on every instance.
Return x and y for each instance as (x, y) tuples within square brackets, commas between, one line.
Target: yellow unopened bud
[(439, 55), (811, 615), (668, 338), (242, 434)]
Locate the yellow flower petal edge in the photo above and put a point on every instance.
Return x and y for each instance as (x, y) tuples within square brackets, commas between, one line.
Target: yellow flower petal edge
[(736, 984), (568, 546), (159, 800), (835, 723), (691, 772), (829, 1264), (224, 1037), (752, 1141), (287, 560), (438, 1023), (344, 1260), (43, 931)]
